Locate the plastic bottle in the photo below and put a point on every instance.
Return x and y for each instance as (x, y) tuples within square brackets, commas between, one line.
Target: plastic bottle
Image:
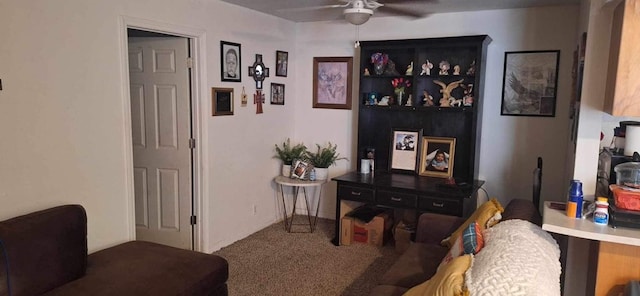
[(312, 175), (601, 215), (574, 202)]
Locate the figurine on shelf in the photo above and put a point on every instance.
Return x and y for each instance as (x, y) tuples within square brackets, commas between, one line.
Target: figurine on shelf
[(426, 68), (379, 61), (444, 68), (453, 102), (472, 68), (384, 101), (427, 99), (391, 69), (366, 72), (467, 99), (444, 102), (446, 91), (409, 71), (456, 70), (409, 101)]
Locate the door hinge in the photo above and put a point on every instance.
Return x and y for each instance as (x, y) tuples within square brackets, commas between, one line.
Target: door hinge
[(193, 220), (192, 143), (189, 63)]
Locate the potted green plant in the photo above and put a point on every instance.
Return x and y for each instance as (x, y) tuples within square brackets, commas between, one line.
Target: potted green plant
[(287, 153), (323, 158)]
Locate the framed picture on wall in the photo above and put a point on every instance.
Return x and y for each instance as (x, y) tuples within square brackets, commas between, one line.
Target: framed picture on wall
[(230, 61), (277, 94), (530, 81), (332, 78), (404, 150), (437, 157), (282, 62), (221, 101)]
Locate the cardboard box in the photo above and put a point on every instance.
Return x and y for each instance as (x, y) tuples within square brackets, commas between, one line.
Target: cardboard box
[(375, 232), (346, 230)]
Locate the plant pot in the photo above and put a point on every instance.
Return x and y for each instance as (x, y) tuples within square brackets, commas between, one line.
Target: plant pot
[(322, 173), (286, 170)]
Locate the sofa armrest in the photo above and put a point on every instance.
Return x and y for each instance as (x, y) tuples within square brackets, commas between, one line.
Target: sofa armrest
[(433, 228)]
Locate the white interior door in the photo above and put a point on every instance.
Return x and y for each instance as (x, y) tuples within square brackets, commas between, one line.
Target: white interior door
[(161, 131)]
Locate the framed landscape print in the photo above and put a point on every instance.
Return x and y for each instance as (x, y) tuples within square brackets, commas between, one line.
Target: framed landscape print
[(230, 61), (404, 150), (221, 101), (530, 81), (332, 79), (282, 62), (437, 157), (277, 94)]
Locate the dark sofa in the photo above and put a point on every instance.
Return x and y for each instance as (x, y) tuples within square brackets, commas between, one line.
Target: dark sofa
[(45, 253), (420, 261)]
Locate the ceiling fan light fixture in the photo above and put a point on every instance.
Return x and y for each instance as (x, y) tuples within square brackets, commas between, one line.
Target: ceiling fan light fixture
[(357, 16)]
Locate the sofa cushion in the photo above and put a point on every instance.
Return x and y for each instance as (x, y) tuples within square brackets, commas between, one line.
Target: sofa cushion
[(470, 241), (519, 258), (448, 281), (144, 268), (417, 264), (522, 209), (487, 215), (45, 249)]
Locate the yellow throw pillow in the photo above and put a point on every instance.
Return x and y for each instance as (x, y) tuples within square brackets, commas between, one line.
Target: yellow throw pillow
[(448, 281), (487, 215)]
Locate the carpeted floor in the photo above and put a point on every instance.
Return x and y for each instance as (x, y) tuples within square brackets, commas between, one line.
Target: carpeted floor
[(274, 262)]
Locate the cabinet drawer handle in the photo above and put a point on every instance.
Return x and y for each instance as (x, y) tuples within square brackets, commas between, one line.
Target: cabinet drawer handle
[(356, 193), (439, 205), (396, 198)]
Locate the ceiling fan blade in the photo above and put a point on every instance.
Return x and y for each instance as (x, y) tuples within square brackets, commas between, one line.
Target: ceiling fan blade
[(402, 11), (315, 7), (407, 1)]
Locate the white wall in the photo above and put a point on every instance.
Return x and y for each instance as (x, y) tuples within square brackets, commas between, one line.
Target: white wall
[(510, 145), (62, 107)]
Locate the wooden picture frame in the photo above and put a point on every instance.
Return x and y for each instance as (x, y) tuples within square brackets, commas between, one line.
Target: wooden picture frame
[(530, 83), (282, 63), (332, 82), (405, 145), (221, 101), (277, 94), (230, 61), (432, 148)]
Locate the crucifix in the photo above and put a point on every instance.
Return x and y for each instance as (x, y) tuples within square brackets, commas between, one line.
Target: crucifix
[(259, 72)]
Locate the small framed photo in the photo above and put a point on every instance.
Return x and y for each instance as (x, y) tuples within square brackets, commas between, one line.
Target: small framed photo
[(230, 61), (277, 94), (437, 157), (404, 150), (299, 169), (530, 81), (332, 77), (221, 101), (282, 62)]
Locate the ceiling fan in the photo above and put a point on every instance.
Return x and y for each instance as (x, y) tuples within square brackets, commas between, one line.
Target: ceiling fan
[(358, 12)]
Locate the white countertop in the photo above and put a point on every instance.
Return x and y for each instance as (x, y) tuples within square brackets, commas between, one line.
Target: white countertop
[(558, 222)]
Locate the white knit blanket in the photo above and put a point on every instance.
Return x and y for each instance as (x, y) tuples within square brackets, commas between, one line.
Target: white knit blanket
[(519, 258)]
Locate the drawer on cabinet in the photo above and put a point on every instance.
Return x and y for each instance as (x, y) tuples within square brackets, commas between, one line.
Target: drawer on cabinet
[(441, 205), (355, 193), (391, 198)]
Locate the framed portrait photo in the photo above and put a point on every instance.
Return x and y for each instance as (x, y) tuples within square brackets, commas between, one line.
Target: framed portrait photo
[(221, 101), (277, 94), (299, 169), (332, 77), (530, 82), (437, 155), (282, 62), (230, 61), (404, 150)]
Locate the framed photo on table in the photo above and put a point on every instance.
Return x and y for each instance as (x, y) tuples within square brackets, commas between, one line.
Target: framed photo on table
[(221, 101), (530, 81), (437, 157), (332, 77), (404, 150), (230, 69)]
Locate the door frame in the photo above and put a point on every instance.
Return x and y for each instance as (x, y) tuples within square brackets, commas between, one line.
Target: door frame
[(197, 39)]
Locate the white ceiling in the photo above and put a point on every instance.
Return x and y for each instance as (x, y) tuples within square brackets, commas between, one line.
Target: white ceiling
[(300, 10)]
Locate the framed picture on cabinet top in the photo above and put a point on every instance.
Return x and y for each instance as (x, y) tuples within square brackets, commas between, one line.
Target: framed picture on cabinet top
[(230, 61), (437, 157), (332, 77), (282, 63), (221, 101), (404, 150), (277, 94), (530, 81)]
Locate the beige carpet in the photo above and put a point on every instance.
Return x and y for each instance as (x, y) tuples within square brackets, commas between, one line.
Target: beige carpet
[(274, 262)]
